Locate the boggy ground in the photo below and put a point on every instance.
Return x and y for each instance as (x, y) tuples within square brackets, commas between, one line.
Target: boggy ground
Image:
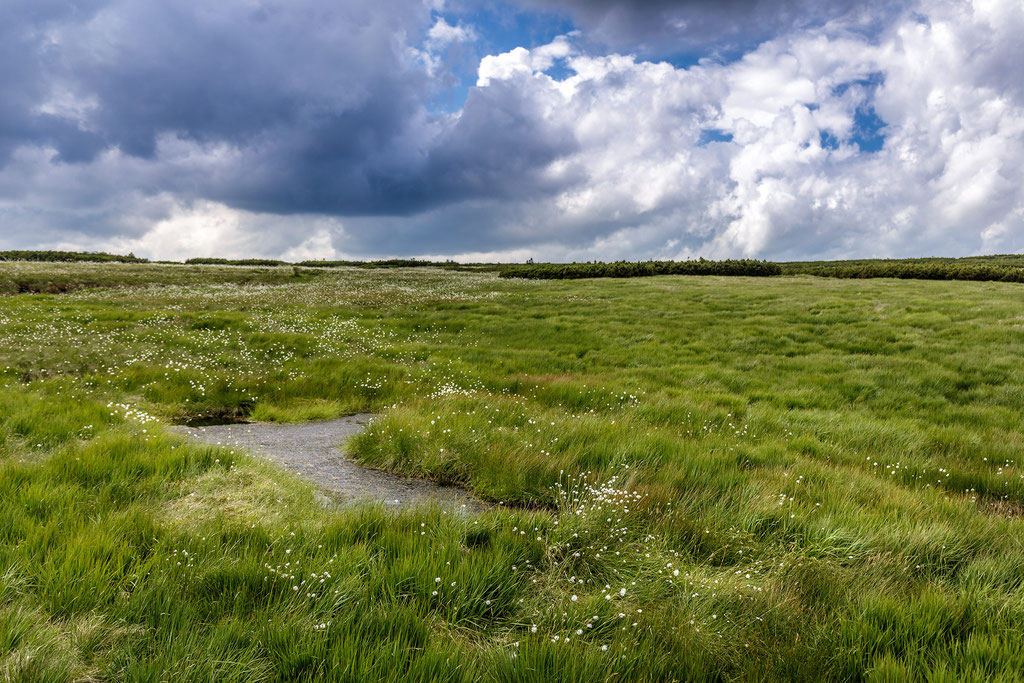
[(714, 479), (314, 451)]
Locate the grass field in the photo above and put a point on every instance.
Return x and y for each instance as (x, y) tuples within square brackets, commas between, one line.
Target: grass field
[(700, 478)]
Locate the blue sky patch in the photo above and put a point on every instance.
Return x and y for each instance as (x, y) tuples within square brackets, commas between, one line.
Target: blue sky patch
[(867, 129), (499, 28), (827, 140), (502, 27), (709, 135)]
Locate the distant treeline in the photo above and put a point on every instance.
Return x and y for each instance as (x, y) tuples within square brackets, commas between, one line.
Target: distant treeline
[(915, 271), (1001, 268), (89, 256), (990, 260), (572, 271), (998, 267), (384, 263), (393, 263), (235, 262)]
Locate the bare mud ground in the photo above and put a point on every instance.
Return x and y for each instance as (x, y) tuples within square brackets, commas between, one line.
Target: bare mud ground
[(314, 451)]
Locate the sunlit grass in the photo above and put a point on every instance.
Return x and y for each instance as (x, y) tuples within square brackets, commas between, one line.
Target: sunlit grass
[(739, 478)]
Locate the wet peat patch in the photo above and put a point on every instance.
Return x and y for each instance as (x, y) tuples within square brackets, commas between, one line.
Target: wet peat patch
[(218, 416), (314, 450)]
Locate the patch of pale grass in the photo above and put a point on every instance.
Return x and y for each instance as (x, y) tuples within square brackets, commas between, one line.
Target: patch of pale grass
[(249, 491)]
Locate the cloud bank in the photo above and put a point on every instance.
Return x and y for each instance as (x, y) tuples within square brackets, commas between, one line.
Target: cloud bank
[(312, 129)]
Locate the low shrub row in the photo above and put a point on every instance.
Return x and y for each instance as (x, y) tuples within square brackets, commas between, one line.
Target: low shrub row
[(88, 256), (569, 271), (907, 270), (234, 262), (384, 263), (398, 263), (949, 261), (388, 263), (916, 271), (999, 268)]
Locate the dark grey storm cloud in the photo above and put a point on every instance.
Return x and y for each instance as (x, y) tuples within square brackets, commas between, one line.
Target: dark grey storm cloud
[(697, 27), (23, 84), (494, 149), (304, 106)]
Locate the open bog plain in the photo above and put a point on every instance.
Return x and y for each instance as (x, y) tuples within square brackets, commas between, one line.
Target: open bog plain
[(675, 477)]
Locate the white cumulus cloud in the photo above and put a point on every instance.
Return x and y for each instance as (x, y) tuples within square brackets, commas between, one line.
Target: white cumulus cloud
[(793, 180)]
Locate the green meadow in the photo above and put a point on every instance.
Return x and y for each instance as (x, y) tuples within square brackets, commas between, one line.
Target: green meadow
[(690, 478)]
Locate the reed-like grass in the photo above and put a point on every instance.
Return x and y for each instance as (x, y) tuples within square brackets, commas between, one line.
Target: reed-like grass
[(693, 479)]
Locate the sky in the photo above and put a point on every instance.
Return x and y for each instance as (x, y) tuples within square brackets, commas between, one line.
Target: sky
[(501, 130)]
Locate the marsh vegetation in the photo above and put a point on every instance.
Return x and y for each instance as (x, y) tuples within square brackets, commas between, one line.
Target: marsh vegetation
[(692, 478)]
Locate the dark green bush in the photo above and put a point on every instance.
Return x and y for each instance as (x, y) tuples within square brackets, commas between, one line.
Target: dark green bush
[(916, 271), (989, 260), (235, 262), (91, 256), (401, 263), (569, 271)]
